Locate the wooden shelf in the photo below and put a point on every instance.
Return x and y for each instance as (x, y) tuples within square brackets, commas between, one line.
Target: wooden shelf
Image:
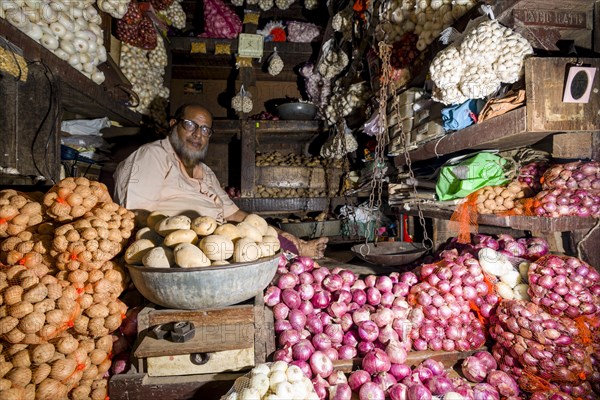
[(503, 132), (78, 93), (539, 224), (287, 205)]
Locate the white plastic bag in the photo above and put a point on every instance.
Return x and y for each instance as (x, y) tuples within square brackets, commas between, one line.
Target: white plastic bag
[(85, 126)]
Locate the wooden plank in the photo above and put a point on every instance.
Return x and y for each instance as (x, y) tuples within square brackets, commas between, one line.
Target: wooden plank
[(577, 145), (260, 330), (298, 177), (589, 248), (542, 224), (219, 361), (288, 126), (141, 386), (596, 32), (546, 111), (448, 358), (288, 206), (207, 339), (240, 314), (248, 174)]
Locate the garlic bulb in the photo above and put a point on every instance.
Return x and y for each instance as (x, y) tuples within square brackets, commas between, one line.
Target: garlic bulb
[(275, 64), (339, 145), (342, 103), (237, 3), (284, 4), (175, 14), (333, 63), (311, 4), (242, 101), (116, 8), (488, 55), (266, 5)]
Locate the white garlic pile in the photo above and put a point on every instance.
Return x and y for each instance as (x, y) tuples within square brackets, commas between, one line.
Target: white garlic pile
[(311, 4), (145, 70), (284, 4), (266, 5), (116, 8), (71, 30), (175, 14), (488, 55), (339, 145), (341, 22), (342, 103), (426, 18), (251, 2), (275, 64), (237, 3)]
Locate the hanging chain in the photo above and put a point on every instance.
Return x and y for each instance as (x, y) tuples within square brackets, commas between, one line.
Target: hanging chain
[(381, 136), (427, 242)]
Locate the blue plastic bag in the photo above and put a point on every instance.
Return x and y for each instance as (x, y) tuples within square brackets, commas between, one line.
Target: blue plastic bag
[(462, 115)]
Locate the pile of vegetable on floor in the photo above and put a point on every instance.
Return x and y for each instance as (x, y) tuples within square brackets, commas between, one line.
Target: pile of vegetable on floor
[(522, 323), (59, 290)]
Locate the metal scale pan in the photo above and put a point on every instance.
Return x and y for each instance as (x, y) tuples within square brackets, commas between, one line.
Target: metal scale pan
[(389, 253)]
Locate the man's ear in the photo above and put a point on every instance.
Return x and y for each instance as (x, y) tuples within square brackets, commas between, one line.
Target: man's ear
[(172, 122)]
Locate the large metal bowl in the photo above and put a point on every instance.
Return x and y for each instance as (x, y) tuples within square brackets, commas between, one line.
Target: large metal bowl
[(204, 287), (389, 253), (297, 111)]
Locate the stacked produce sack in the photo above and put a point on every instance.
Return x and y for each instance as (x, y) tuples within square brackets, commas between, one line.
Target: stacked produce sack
[(59, 290)]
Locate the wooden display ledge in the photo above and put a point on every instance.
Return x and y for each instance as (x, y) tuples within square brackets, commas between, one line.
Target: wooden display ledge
[(525, 223), (287, 205)]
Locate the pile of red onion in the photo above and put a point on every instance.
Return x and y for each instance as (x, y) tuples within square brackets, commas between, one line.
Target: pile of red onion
[(442, 317), (564, 286), (528, 248), (381, 378), (567, 202), (323, 316), (481, 368), (532, 173), (548, 346), (574, 175)]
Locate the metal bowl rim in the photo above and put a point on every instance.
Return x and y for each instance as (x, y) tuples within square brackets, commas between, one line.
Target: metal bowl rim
[(211, 268)]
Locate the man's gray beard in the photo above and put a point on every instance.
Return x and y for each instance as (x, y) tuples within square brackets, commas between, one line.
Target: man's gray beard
[(189, 158)]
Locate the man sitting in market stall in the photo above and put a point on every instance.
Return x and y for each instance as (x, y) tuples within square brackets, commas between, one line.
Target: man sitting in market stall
[(169, 175)]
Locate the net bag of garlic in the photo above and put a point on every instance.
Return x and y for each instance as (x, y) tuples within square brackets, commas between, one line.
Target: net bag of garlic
[(242, 101), (59, 305), (477, 62), (275, 63)]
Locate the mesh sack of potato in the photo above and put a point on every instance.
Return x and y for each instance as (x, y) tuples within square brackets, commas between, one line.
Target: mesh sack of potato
[(30, 249), (99, 320), (17, 213), (500, 199), (71, 198), (35, 310)]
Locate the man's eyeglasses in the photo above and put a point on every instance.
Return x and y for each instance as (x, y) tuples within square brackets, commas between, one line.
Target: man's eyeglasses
[(191, 127)]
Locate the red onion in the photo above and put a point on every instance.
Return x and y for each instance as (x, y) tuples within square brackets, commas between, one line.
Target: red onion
[(384, 283), (360, 315), (396, 353), (296, 268), (373, 296), (340, 391), (400, 289), (320, 385), (368, 331), (370, 391), (418, 392), (321, 364), (282, 325), (485, 391), (281, 311), (474, 369), (297, 319), (325, 318), (351, 338), (308, 262), (384, 380), (331, 353), (358, 378), (387, 334), (321, 299), (272, 296), (284, 354), (333, 282), (376, 361), (439, 385), (436, 367), (306, 307), (306, 291), (319, 274), (364, 348), (337, 309), (346, 322), (503, 382), (383, 317), (291, 298), (347, 352), (400, 371), (303, 365), (420, 344), (302, 350), (314, 324), (398, 391), (305, 277), (359, 296), (348, 276), (321, 341), (290, 337), (287, 281)]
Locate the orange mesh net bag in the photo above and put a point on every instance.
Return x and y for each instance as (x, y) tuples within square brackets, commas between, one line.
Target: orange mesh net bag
[(464, 218)]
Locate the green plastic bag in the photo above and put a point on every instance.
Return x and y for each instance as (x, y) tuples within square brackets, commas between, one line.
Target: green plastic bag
[(462, 177)]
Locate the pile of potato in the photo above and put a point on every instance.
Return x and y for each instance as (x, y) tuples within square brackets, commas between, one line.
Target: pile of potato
[(293, 160), (59, 290), (284, 193), (498, 199), (179, 242)]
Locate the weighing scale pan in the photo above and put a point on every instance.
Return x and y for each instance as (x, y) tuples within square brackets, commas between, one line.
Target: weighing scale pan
[(389, 253)]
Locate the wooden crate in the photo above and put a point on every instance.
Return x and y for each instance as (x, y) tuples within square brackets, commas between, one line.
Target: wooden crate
[(546, 112), (299, 177)]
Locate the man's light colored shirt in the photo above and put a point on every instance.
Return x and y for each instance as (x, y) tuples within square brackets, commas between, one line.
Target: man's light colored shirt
[(154, 179)]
